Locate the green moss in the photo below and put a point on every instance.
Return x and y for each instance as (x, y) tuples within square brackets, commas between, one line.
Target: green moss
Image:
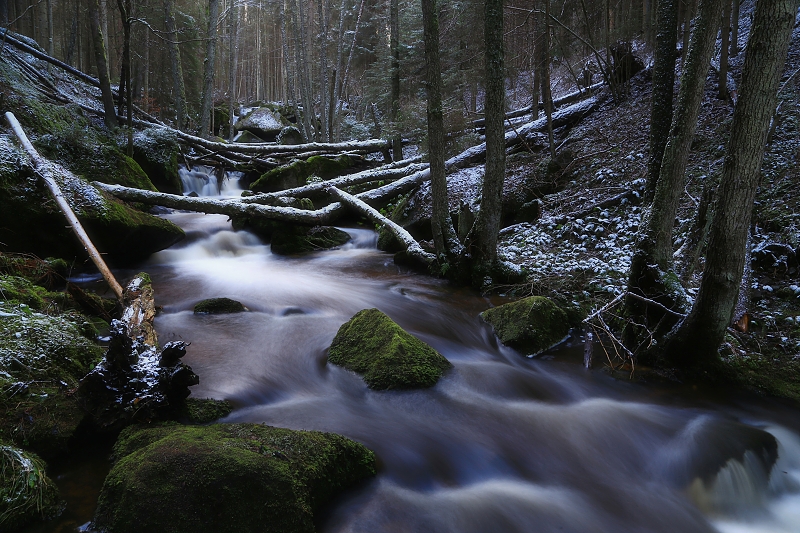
[(226, 478), (204, 411), (156, 151), (26, 493), (529, 325), (295, 239), (217, 306), (41, 360), (372, 344), (296, 173), (20, 290)]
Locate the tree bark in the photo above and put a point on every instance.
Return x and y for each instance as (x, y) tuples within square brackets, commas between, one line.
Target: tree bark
[(234, 60), (696, 341), (725, 30), (178, 87), (547, 94), (209, 64), (101, 60), (440, 219), (652, 257), (488, 222), (394, 82), (663, 88), (734, 51)]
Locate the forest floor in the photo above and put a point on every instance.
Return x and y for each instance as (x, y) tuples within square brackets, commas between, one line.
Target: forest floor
[(581, 254)]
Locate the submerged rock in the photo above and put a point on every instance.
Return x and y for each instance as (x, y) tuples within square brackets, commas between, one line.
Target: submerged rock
[(218, 306), (530, 325), (387, 356), (303, 239), (27, 495), (223, 478)]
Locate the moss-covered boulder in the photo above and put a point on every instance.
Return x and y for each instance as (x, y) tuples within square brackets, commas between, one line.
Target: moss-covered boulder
[(204, 410), (26, 493), (41, 360), (296, 173), (292, 240), (222, 478), (290, 135), (156, 151), (529, 325), (387, 356), (31, 222), (218, 306)]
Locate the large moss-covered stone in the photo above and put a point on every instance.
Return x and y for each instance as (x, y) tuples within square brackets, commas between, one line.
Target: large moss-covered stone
[(296, 173), (388, 357), (222, 478), (31, 222), (26, 493), (529, 325), (41, 360), (292, 240), (156, 150)]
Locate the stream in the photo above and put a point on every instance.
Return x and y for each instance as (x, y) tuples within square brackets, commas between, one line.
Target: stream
[(502, 443)]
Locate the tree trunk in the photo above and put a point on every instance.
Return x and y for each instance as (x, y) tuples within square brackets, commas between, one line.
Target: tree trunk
[(324, 71), (178, 87), (698, 337), (291, 96), (441, 225), (209, 64), (125, 69), (234, 60), (101, 60), (725, 30), (394, 83), (547, 95), (663, 88), (652, 257), (488, 222), (735, 29)]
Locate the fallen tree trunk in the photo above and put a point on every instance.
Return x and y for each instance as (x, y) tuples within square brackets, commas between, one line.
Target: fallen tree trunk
[(224, 207), (43, 168), (411, 245), (564, 100)]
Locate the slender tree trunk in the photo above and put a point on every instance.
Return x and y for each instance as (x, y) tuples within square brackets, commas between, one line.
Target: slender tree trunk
[(698, 337), (394, 83), (663, 88), (688, 12), (489, 216), (652, 257), (146, 72), (734, 51), (290, 89), (725, 30), (324, 74), (178, 87), (232, 75), (547, 95), (209, 64), (346, 76), (125, 70), (440, 219), (110, 116), (307, 85)]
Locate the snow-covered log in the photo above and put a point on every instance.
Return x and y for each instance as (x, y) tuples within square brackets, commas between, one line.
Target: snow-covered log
[(564, 100), (412, 246), (223, 207)]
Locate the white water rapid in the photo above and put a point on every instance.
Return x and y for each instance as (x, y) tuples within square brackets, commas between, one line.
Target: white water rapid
[(502, 443)]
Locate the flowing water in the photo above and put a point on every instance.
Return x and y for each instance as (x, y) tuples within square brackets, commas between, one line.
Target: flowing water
[(502, 443)]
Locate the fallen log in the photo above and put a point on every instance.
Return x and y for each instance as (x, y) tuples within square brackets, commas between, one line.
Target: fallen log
[(44, 169), (411, 245), (135, 380)]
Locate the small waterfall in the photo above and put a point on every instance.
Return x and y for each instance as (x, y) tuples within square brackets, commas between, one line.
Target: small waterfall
[(204, 181)]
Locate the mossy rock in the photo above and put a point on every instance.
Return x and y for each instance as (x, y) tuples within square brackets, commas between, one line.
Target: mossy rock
[(387, 356), (27, 495), (30, 222), (204, 410), (290, 135), (156, 150), (223, 478), (296, 173), (218, 306), (530, 325), (20, 290), (42, 358), (292, 240)]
